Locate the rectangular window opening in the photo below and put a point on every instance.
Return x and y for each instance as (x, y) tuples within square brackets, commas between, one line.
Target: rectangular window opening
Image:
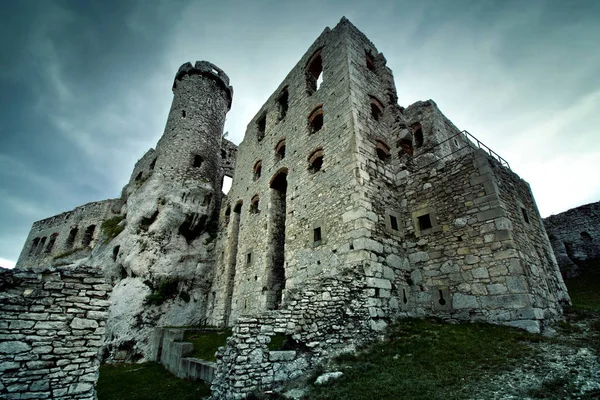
[(425, 222), (393, 222), (317, 235), (248, 258), (525, 216)]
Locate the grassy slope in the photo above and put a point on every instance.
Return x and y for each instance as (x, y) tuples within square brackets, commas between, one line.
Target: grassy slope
[(206, 343), (421, 359), (148, 381)]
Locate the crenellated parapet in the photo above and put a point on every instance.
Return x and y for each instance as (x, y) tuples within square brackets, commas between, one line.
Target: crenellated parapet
[(208, 70)]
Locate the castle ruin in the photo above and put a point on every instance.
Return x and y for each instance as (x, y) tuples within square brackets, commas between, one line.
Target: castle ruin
[(346, 211)]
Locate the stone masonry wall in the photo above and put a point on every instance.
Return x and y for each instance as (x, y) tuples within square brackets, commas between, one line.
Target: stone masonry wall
[(326, 318), (575, 238), (51, 332), (75, 232)]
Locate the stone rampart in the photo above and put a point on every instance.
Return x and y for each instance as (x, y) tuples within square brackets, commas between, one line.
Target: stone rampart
[(51, 332), (575, 238)]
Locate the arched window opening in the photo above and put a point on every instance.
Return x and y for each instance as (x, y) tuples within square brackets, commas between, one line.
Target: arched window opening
[(41, 246), (139, 176), (261, 126), (405, 146), (282, 103), (71, 238), (227, 215), (280, 150), (376, 108), (34, 245), (116, 252), (418, 134), (315, 119), (198, 160), (382, 150), (370, 61), (275, 282), (257, 169), (586, 237), (51, 242), (153, 164), (315, 160), (88, 236), (223, 153), (238, 207), (314, 68), (254, 204), (183, 115)]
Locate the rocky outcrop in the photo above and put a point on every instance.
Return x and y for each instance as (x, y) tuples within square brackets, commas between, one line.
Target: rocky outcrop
[(575, 238)]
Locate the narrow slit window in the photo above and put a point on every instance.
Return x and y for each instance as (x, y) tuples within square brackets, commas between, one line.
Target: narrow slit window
[(34, 245), (317, 236), (393, 223), (418, 134), (282, 103), (314, 70), (153, 164), (370, 61), (424, 222), (254, 205), (261, 125), (525, 216), (249, 258), (257, 169)]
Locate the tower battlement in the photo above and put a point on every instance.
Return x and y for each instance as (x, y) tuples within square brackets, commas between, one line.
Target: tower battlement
[(208, 70)]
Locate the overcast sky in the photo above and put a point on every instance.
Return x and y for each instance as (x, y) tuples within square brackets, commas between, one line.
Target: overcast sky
[(85, 86)]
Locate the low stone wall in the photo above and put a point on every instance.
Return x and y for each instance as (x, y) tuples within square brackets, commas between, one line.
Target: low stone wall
[(329, 318), (170, 350), (575, 236), (51, 332)]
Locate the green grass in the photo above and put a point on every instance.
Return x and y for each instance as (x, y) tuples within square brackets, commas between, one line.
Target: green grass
[(68, 253), (206, 343), (111, 228), (584, 293), (426, 359), (148, 381)]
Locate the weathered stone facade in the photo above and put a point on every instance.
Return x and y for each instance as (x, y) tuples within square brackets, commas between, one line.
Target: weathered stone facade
[(346, 211), (52, 323), (575, 238)]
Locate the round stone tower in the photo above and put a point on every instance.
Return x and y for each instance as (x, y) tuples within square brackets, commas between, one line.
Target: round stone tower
[(189, 150)]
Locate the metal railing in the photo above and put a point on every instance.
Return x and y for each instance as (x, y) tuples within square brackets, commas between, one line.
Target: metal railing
[(470, 142)]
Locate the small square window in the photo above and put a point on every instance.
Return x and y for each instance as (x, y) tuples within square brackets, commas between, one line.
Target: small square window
[(393, 223), (424, 222), (317, 235)]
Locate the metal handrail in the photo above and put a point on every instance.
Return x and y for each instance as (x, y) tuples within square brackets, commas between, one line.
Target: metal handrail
[(467, 136)]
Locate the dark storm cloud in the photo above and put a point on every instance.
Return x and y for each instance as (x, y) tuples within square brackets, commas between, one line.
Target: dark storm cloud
[(85, 85)]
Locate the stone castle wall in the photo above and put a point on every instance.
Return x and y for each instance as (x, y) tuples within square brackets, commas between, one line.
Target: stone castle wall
[(574, 235), (75, 232), (51, 329)]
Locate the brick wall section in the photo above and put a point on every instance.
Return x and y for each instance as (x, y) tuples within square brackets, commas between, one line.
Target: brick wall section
[(574, 235), (51, 331), (330, 317)]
